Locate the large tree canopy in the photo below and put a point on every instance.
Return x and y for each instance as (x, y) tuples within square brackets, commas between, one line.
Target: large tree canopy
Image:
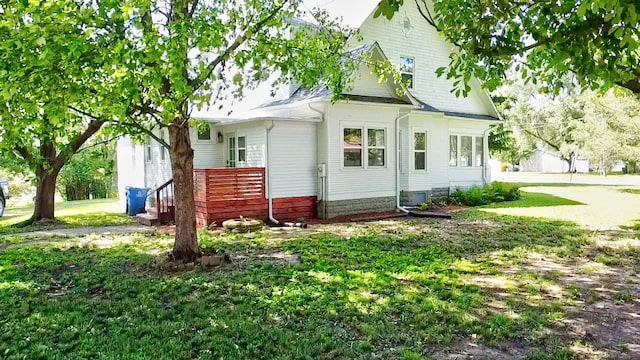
[(52, 71), (151, 63), (598, 41)]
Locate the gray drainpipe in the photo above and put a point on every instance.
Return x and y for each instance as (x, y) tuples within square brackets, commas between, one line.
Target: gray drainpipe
[(323, 182), (398, 155), (268, 174), (485, 155)]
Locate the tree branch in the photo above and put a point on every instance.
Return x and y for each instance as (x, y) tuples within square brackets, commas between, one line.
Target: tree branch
[(196, 84), (99, 143), (75, 144)]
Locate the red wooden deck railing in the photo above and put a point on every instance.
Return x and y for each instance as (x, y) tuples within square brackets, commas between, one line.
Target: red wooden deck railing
[(228, 193)]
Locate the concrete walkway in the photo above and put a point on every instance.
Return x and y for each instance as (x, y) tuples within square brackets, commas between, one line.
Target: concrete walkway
[(104, 236), (83, 231)]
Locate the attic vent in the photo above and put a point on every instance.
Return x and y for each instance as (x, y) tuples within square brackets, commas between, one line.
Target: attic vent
[(406, 24)]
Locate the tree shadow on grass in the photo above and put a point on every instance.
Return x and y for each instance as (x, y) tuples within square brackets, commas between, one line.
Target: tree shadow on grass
[(395, 288), (630, 191)]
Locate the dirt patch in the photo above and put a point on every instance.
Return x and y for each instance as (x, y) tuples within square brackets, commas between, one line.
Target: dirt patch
[(214, 260), (602, 302), (469, 349)]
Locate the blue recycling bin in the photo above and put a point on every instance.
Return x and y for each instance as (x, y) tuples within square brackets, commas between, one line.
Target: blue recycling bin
[(136, 199)]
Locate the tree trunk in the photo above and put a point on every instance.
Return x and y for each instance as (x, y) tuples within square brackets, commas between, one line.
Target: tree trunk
[(45, 196), (186, 242)]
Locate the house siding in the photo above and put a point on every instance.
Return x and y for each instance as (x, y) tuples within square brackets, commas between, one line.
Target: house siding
[(439, 175), (359, 183), (366, 84), (130, 166), (158, 171), (430, 52), (293, 159), (206, 153)]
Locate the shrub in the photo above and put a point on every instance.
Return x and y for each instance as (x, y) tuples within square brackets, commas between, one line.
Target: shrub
[(489, 193), (88, 174)]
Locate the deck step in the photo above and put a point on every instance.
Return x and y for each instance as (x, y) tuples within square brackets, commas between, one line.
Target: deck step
[(148, 219)]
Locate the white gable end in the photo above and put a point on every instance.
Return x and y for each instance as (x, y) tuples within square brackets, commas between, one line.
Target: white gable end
[(409, 35), (366, 84)]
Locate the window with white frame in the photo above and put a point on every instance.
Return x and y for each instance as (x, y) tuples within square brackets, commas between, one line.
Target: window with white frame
[(148, 152), (407, 70), (479, 151), (236, 150), (354, 148), (242, 149), (466, 151), (204, 134), (453, 150), (420, 150), (376, 146), (163, 150)]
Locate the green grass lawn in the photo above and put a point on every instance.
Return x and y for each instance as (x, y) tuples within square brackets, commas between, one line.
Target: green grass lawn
[(513, 280), (592, 206), (407, 289), (99, 212)]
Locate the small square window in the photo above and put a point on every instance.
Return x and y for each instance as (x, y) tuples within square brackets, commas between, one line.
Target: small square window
[(205, 134)]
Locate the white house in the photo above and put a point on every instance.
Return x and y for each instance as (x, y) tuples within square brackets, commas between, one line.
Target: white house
[(371, 151), (548, 161)]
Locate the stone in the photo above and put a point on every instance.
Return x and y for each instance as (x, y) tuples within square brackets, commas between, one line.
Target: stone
[(212, 261)]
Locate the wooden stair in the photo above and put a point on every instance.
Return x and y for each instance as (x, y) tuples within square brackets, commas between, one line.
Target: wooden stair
[(150, 218), (164, 210)]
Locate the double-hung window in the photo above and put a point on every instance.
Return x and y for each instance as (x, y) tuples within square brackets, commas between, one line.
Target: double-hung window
[(376, 146), (148, 151), (355, 146), (163, 150), (407, 70), (466, 151), (420, 150)]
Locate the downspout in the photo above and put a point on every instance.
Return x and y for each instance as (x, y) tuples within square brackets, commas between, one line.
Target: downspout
[(268, 174), (398, 155), (323, 179), (486, 157)]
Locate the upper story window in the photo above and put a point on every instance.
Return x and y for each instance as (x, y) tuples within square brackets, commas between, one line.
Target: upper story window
[(407, 70), (205, 134)]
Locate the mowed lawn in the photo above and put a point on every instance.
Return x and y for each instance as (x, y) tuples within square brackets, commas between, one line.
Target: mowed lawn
[(480, 286), (596, 207), (69, 214)]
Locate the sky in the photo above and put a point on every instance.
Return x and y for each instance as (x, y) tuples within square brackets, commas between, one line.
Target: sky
[(353, 12)]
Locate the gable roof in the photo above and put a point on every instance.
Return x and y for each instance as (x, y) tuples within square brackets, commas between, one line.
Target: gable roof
[(322, 93)]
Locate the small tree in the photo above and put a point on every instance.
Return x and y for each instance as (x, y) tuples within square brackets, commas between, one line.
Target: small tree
[(54, 69)]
